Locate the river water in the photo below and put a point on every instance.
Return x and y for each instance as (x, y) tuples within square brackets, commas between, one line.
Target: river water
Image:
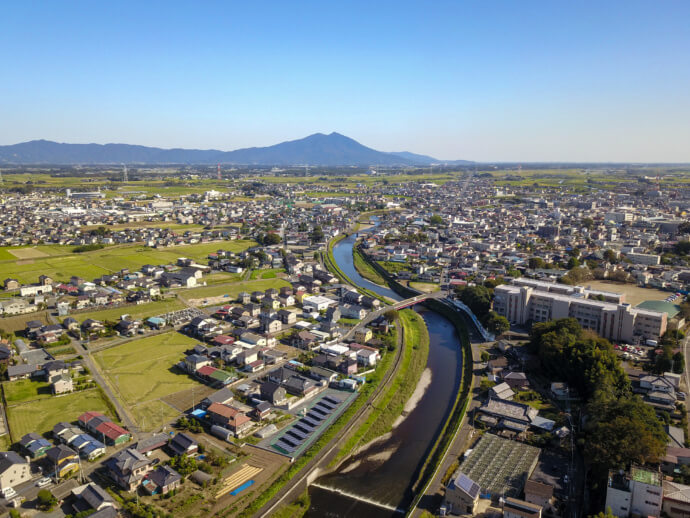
[(377, 480)]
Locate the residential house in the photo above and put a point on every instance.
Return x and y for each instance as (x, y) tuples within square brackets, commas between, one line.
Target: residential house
[(61, 383), (183, 444), (128, 468), (63, 460), (14, 470), (228, 417), (162, 480)]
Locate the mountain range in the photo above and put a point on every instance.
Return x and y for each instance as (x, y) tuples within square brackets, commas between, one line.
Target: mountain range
[(333, 149)]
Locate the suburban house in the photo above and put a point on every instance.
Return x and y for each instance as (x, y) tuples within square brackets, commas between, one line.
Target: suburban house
[(61, 383), (92, 496), (183, 444), (14, 470), (229, 418), (162, 480), (35, 445), (63, 460), (128, 468)]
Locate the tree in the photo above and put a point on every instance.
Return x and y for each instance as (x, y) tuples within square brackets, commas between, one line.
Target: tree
[(678, 363), (496, 323), (316, 234), (573, 263), (436, 220), (612, 422), (485, 356), (602, 514), (477, 298), (270, 239), (391, 315), (46, 500), (610, 256), (535, 263), (682, 247), (588, 223)]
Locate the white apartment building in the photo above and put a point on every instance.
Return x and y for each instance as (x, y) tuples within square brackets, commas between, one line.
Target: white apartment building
[(526, 300), (648, 259), (638, 493)]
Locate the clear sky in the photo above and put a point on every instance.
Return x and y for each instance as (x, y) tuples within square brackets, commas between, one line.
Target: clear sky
[(488, 81)]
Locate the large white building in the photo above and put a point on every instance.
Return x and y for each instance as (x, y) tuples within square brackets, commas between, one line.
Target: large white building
[(606, 313), (637, 493)]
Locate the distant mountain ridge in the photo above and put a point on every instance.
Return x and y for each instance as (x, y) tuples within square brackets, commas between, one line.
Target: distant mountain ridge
[(317, 149)]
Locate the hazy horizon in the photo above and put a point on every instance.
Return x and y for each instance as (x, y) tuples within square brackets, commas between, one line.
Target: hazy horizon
[(506, 82)]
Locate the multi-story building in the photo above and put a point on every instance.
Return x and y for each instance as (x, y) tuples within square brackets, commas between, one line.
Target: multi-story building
[(533, 301), (638, 492)]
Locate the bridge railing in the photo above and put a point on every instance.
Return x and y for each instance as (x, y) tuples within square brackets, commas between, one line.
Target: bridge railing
[(486, 335)]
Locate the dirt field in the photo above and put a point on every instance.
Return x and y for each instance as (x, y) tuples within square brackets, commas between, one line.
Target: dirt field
[(186, 399), (27, 253), (272, 464), (633, 294)]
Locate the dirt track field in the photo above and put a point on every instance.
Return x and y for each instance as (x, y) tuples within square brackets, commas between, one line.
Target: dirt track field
[(27, 253), (633, 294)]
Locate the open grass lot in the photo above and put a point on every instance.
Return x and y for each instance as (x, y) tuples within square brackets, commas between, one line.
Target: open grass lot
[(142, 372), (41, 415), (633, 294), (25, 390), (222, 277), (234, 289), (107, 260), (266, 274)]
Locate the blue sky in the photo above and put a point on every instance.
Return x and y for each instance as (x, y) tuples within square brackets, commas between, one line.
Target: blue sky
[(488, 81)]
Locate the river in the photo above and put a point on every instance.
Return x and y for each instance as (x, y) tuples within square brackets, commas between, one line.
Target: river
[(377, 480)]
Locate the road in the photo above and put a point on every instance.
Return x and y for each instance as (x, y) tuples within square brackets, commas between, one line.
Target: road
[(370, 317)]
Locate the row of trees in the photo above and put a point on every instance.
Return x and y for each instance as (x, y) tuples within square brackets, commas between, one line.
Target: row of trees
[(478, 299)]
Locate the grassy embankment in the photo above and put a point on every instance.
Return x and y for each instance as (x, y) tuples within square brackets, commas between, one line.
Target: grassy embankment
[(365, 269), (388, 408)]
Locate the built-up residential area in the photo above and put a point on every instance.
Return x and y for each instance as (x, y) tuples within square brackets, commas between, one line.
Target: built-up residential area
[(195, 349)]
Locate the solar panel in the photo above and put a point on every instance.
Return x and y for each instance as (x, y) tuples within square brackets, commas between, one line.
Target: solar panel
[(467, 485)]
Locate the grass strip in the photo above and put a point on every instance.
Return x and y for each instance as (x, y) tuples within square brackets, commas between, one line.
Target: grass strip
[(365, 269)]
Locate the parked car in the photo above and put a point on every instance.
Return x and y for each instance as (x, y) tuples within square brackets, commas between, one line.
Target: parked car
[(8, 493), (43, 482)]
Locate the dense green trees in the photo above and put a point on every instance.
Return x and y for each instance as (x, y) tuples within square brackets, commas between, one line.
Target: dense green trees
[(496, 323), (477, 298), (436, 220), (613, 415)]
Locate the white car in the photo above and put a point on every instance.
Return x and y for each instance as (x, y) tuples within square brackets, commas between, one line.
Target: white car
[(8, 493), (43, 482)]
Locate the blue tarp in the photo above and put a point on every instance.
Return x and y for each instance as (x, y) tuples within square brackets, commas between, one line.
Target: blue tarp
[(244, 486)]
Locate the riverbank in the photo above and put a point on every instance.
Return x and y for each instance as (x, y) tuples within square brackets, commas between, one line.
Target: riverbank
[(390, 407), (365, 269)]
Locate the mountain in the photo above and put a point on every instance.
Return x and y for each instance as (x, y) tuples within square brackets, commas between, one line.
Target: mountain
[(317, 149)]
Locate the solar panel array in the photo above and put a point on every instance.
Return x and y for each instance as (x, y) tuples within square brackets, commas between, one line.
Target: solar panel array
[(301, 431)]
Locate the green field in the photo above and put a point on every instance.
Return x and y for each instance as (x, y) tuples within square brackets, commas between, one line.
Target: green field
[(107, 260), (142, 372), (234, 289), (266, 274), (41, 415), (139, 311), (25, 390)]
